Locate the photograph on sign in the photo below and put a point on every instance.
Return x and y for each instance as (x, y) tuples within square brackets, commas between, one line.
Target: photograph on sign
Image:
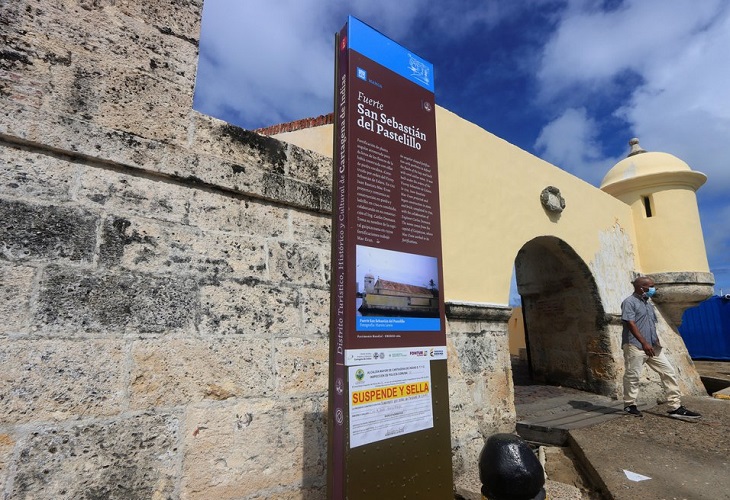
[(397, 291), (389, 400)]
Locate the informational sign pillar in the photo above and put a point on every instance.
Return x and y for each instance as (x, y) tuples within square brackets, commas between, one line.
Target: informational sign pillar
[(389, 430)]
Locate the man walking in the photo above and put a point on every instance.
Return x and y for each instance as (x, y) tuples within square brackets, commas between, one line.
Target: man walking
[(641, 345)]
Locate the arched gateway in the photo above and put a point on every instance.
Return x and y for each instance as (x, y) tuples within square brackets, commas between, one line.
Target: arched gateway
[(567, 339)]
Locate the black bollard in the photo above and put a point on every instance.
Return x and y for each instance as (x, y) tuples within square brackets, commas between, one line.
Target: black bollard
[(509, 470)]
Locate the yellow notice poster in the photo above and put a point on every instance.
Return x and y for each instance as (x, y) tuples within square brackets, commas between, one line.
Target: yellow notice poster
[(389, 400)]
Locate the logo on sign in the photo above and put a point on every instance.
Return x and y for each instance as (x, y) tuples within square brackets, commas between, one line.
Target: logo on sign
[(419, 71), (362, 74), (359, 374)]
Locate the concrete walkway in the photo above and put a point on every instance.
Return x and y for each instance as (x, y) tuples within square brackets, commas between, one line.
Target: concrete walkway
[(549, 420), (683, 460)]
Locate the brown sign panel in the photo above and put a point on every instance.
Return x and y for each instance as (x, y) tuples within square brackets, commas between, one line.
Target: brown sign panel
[(388, 380)]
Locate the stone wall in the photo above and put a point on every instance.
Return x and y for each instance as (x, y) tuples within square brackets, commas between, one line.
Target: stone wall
[(164, 277), (156, 335), (481, 391)]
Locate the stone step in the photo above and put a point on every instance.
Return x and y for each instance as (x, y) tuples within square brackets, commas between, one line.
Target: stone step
[(548, 420)]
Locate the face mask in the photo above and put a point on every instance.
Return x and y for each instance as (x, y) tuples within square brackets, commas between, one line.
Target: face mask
[(650, 292)]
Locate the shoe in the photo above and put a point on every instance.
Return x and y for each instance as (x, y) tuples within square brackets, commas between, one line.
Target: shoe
[(684, 413), (633, 410)]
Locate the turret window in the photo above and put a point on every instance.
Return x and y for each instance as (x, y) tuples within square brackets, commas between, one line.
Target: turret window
[(648, 209)]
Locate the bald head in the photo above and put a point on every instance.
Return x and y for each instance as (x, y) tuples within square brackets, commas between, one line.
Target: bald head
[(642, 284)]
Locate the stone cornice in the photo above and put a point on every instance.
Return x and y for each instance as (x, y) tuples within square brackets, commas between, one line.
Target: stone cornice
[(480, 311)]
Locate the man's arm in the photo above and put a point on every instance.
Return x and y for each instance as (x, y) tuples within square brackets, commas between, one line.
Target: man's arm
[(648, 349)]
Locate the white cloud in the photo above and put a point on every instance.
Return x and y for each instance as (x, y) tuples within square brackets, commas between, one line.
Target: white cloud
[(684, 107), (591, 47), (268, 61), (678, 48), (260, 59), (677, 52), (571, 142)]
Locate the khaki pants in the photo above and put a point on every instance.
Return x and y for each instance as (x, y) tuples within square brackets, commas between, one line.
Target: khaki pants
[(634, 360)]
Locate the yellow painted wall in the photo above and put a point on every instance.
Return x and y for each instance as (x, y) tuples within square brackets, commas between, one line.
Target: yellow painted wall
[(490, 207), (317, 139), (516, 331), (671, 240)]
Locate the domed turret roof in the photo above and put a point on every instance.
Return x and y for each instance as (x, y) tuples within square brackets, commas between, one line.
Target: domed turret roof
[(642, 168)]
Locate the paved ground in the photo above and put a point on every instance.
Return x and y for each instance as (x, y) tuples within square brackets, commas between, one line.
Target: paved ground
[(684, 460)]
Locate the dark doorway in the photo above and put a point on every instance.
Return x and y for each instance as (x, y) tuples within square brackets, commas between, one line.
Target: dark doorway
[(567, 341)]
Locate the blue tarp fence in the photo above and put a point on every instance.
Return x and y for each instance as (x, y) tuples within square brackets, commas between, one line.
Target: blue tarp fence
[(705, 329)]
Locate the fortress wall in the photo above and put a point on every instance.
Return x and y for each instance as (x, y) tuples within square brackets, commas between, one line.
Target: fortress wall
[(164, 276), (156, 334)]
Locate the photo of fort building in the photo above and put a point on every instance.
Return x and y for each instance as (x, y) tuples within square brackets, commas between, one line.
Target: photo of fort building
[(390, 298), (391, 283)]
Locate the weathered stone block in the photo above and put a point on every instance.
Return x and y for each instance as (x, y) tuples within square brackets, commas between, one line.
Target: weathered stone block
[(171, 372), (309, 167), (175, 18), (254, 164), (46, 232), (482, 404), (311, 227), (262, 219), (263, 448), (16, 286), (292, 191), (478, 352), (144, 245), (301, 365), (129, 195), (78, 136), (325, 201), (297, 263), (76, 299), (127, 149), (236, 145), (123, 459), (315, 311), (215, 211), (122, 76), (495, 327), (7, 444), (29, 175), (56, 379), (249, 306), (144, 105)]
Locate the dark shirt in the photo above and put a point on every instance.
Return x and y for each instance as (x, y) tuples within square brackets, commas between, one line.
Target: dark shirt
[(641, 311)]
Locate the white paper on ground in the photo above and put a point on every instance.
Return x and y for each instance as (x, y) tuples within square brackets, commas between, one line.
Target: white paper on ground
[(633, 476)]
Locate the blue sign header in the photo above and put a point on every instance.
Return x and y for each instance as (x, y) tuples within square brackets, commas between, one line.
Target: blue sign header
[(384, 51)]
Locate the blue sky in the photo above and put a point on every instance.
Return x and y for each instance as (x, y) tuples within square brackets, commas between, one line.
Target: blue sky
[(569, 81)]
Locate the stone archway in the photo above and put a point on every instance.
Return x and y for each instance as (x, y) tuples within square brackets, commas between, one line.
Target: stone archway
[(565, 326)]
